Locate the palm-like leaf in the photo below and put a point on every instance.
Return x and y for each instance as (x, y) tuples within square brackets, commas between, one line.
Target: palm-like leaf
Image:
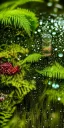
[(21, 18)]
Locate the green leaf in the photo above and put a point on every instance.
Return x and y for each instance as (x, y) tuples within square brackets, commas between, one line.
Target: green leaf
[(32, 58), (54, 71), (21, 18)]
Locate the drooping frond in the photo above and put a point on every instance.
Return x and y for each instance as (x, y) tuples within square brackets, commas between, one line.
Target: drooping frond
[(32, 58), (54, 71), (20, 18), (14, 3)]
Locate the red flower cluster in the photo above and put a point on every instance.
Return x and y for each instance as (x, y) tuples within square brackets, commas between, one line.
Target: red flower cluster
[(7, 68)]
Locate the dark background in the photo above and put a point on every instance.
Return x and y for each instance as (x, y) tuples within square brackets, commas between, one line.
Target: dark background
[(60, 1)]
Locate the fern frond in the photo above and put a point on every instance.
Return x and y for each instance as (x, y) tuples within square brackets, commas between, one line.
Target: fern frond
[(15, 3), (20, 18), (32, 58), (22, 87), (6, 115), (54, 71)]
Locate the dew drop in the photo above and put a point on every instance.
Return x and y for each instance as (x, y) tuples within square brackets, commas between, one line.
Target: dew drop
[(53, 33), (35, 32), (49, 4), (49, 82), (55, 49), (55, 86), (40, 22), (60, 55), (52, 20), (59, 98), (55, 24), (39, 30), (47, 26)]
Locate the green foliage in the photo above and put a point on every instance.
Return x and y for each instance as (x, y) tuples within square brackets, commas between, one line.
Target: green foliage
[(21, 18), (17, 17), (12, 51), (21, 85), (16, 122), (17, 84), (6, 112), (32, 58), (53, 71), (55, 95)]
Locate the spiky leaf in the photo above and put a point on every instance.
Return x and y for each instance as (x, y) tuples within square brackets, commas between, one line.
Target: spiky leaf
[(54, 71)]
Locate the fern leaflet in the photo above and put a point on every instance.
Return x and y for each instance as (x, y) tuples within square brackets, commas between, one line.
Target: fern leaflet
[(54, 71), (32, 58)]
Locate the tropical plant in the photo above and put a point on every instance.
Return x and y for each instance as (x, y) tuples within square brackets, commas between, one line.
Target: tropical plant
[(14, 80), (21, 18)]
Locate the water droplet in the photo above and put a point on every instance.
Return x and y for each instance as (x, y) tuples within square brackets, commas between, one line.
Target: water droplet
[(47, 26), (50, 31), (39, 30), (55, 24), (26, 54), (49, 82), (59, 98), (52, 27), (38, 48), (40, 22), (55, 86), (49, 4), (55, 49), (52, 20), (53, 33), (34, 77), (35, 32), (18, 58), (56, 29), (60, 54)]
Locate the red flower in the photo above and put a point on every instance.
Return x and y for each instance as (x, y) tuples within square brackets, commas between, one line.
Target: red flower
[(13, 70), (7, 68)]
